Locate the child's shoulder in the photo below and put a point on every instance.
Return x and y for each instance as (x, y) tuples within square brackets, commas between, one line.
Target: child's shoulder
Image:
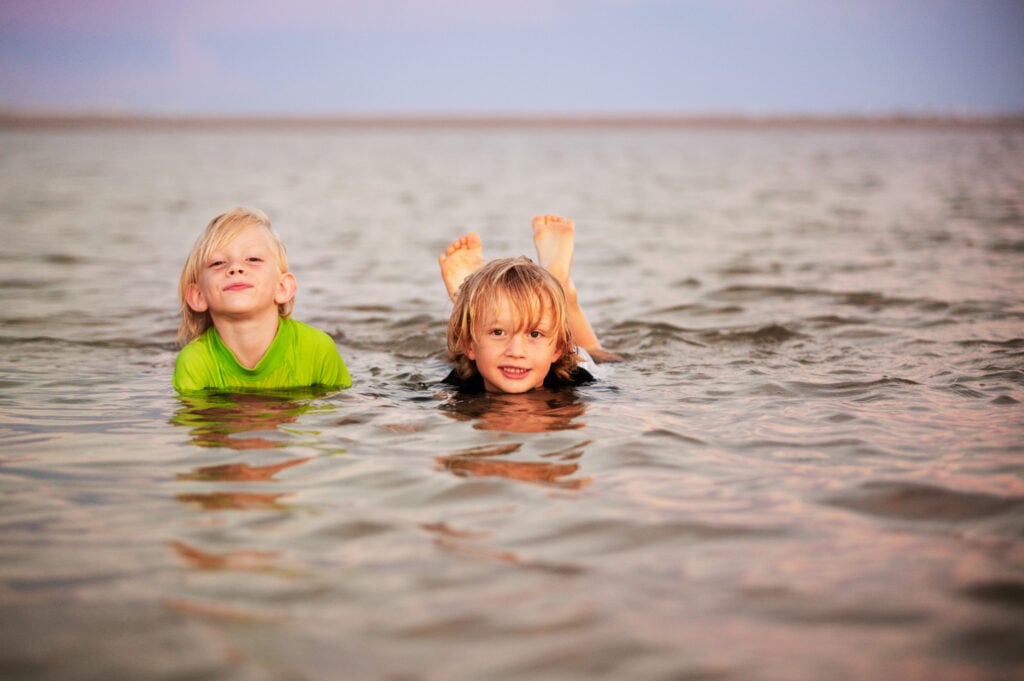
[(302, 331), (314, 351), (579, 376), (472, 384), (306, 340), (201, 345)]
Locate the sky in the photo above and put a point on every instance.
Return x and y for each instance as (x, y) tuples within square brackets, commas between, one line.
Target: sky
[(513, 57)]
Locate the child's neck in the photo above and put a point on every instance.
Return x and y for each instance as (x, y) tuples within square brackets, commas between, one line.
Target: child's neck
[(248, 339)]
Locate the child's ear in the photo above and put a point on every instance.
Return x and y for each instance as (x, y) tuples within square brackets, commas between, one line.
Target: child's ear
[(286, 288), (194, 298), (469, 352)]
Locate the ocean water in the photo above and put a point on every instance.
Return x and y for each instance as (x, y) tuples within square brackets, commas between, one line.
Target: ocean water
[(810, 465)]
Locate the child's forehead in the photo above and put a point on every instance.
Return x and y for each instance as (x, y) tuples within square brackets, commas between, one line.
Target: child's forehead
[(251, 234), (506, 309)]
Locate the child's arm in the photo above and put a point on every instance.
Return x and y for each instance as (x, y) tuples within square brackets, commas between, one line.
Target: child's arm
[(333, 372), (192, 368)]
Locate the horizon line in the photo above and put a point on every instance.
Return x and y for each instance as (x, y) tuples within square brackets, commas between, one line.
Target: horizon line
[(29, 119)]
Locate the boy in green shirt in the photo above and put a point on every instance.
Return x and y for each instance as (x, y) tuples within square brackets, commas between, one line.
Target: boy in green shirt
[(236, 296)]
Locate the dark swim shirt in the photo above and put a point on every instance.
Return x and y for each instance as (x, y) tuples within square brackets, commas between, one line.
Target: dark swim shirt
[(475, 383)]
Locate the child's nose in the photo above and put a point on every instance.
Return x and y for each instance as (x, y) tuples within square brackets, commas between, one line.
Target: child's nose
[(515, 345)]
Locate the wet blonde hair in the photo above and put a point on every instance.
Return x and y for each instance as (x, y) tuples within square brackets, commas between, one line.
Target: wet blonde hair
[(221, 230), (531, 291)]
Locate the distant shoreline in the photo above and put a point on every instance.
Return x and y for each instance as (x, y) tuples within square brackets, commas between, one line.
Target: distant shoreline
[(28, 120)]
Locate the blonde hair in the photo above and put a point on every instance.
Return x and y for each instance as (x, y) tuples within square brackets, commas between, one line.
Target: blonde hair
[(221, 230), (531, 291)]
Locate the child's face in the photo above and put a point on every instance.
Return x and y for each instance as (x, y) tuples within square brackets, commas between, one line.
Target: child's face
[(242, 279), (511, 360)]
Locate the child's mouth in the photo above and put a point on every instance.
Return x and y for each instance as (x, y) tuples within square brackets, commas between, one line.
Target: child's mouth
[(513, 372), (237, 287)]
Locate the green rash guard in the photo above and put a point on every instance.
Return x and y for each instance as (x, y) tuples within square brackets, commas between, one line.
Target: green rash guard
[(299, 356)]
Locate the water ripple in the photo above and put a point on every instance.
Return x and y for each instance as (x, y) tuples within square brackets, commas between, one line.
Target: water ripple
[(920, 502)]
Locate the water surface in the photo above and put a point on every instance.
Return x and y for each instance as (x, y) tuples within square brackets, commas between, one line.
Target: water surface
[(809, 466)]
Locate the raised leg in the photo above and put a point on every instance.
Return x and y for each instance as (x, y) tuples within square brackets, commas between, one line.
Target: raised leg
[(463, 256), (555, 239)]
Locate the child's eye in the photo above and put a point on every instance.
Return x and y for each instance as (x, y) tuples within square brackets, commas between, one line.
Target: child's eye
[(498, 333), (216, 263), (254, 258), (536, 333)]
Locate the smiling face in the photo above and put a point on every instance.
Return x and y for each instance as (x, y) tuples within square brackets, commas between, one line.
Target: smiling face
[(511, 354), (241, 278), (509, 325)]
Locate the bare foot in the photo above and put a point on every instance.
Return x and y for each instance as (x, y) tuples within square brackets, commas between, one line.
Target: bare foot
[(554, 238), (463, 256)]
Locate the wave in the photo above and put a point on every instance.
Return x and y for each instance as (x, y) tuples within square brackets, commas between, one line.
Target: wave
[(771, 333), (866, 299), (655, 335), (106, 343), (920, 502), (848, 389)]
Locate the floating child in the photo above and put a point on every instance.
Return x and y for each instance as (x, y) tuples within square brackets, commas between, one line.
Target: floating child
[(516, 325), (236, 297)]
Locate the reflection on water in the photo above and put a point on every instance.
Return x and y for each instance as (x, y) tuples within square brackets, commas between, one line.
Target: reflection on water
[(217, 419), (482, 461), (215, 612), (235, 501), (239, 472), (242, 422), (536, 412), (240, 560), (469, 544)]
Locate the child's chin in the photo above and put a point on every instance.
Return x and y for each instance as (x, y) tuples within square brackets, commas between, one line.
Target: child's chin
[(514, 389)]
